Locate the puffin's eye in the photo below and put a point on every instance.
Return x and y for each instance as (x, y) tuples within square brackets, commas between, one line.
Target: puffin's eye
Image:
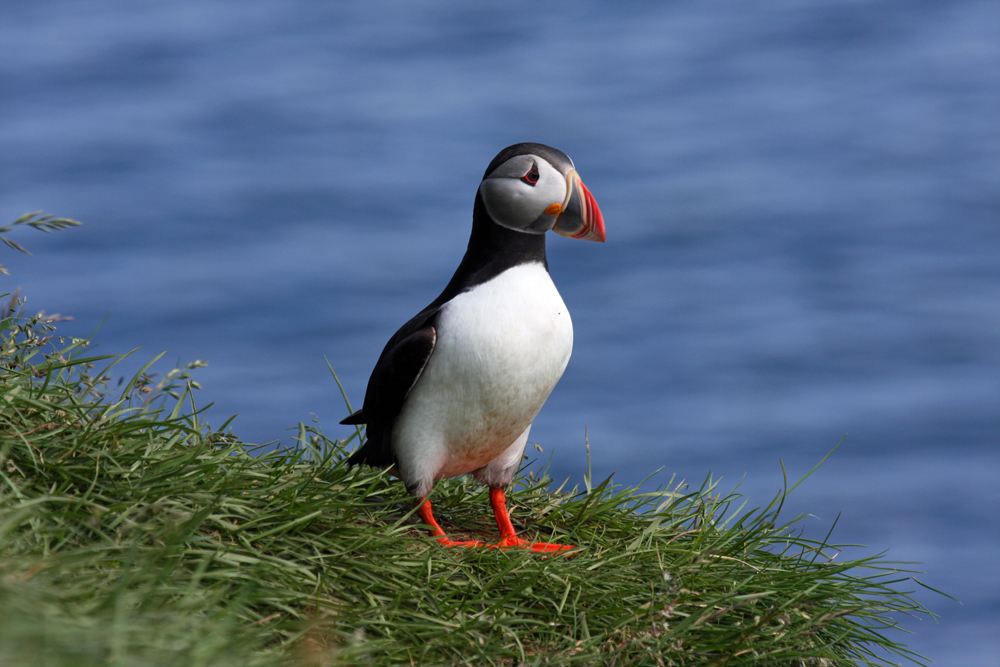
[(532, 176)]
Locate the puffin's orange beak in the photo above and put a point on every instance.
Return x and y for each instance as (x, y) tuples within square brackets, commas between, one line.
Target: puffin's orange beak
[(580, 217)]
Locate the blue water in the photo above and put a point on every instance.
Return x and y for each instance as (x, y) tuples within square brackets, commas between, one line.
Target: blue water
[(802, 203)]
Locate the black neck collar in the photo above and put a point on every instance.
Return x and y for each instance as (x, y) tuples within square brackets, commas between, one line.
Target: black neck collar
[(492, 250)]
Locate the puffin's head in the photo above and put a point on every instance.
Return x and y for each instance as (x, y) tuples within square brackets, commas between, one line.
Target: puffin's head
[(534, 188)]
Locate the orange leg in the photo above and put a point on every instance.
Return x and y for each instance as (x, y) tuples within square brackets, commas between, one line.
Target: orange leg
[(508, 538), (424, 510)]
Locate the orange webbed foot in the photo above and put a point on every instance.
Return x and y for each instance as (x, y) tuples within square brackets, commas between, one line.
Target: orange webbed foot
[(508, 537), (425, 513), (513, 542), (548, 548), (465, 544), (510, 542)]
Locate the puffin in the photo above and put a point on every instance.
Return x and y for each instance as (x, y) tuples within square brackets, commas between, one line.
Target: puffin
[(457, 387)]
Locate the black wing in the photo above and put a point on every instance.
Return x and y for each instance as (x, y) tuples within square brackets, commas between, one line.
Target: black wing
[(403, 359)]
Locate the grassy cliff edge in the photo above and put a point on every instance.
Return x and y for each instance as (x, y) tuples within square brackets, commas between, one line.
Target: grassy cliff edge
[(132, 533)]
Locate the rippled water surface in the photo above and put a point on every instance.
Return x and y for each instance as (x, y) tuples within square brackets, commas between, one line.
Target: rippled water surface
[(802, 203)]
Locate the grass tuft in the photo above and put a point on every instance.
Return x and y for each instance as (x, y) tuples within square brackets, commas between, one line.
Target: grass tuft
[(132, 533), (44, 223)]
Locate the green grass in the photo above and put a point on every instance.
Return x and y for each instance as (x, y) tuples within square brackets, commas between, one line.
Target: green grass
[(35, 220), (132, 533)]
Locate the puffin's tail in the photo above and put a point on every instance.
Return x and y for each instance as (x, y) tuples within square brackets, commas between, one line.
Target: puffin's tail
[(363, 453), (355, 419), (373, 451)]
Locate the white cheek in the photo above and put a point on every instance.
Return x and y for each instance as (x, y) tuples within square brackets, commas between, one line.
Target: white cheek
[(509, 203), (515, 204)]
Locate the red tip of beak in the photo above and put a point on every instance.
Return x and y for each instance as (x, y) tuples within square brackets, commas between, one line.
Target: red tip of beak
[(581, 216), (593, 221)]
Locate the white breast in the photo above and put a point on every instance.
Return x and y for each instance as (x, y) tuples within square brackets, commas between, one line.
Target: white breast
[(501, 348)]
